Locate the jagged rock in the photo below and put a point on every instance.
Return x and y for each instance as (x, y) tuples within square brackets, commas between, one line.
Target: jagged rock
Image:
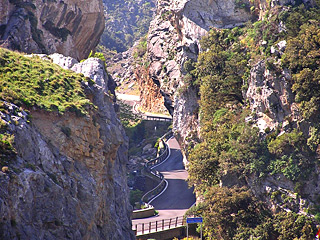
[(151, 98), (270, 96), (279, 192), (69, 27), (121, 67), (62, 61), (282, 45), (173, 39), (69, 178)]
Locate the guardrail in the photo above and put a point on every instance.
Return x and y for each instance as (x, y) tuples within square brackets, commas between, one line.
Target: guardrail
[(149, 168), (160, 225), (150, 117), (158, 118)]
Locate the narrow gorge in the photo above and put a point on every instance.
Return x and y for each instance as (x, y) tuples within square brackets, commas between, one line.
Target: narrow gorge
[(63, 149), (240, 79)]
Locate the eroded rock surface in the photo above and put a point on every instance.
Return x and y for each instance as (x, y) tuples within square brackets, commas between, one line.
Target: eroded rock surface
[(173, 39), (71, 27), (69, 178)]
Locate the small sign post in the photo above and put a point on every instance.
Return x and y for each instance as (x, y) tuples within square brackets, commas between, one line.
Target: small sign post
[(194, 220)]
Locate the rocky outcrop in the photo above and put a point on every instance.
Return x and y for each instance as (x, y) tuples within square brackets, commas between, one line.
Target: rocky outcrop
[(280, 193), (173, 39), (270, 96), (69, 177), (173, 42), (70, 27), (151, 99)]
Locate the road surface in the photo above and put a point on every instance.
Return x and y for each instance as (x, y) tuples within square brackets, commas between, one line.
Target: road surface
[(178, 198)]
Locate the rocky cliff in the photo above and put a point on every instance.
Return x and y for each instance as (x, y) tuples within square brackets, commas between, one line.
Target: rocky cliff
[(173, 40), (69, 27), (248, 95), (173, 45), (66, 177)]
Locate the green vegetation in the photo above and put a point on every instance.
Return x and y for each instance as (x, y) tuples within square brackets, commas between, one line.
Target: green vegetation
[(141, 48), (128, 118), (232, 146), (302, 58), (31, 81), (221, 70), (150, 131), (7, 150), (135, 197), (234, 213), (126, 22), (138, 130)]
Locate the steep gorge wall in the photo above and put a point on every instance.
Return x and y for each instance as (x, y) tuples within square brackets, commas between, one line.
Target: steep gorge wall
[(173, 43), (70, 27), (68, 180), (173, 39)]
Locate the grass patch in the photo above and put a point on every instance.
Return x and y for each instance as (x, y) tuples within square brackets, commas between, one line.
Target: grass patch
[(31, 81), (7, 150)]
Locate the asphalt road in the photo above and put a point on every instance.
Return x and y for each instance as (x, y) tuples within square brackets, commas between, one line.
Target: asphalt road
[(178, 197)]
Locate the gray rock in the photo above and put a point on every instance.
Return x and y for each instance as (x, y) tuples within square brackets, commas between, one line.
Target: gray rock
[(67, 186), (270, 95), (174, 38), (69, 27), (282, 45)]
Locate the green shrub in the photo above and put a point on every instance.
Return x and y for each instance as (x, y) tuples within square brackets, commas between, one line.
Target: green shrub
[(31, 81), (135, 196), (231, 146)]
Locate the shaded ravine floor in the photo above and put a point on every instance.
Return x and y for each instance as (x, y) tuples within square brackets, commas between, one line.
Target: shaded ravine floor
[(178, 197)]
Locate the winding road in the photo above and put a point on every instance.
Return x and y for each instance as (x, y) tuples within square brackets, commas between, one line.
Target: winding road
[(177, 198)]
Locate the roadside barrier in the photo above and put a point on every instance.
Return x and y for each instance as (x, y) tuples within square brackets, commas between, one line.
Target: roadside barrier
[(160, 225), (150, 195)]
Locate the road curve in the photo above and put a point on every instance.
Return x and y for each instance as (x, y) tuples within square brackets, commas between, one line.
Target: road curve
[(177, 198)]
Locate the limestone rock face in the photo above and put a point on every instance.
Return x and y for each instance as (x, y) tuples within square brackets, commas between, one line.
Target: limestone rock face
[(270, 96), (70, 27), (173, 39), (69, 178)]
